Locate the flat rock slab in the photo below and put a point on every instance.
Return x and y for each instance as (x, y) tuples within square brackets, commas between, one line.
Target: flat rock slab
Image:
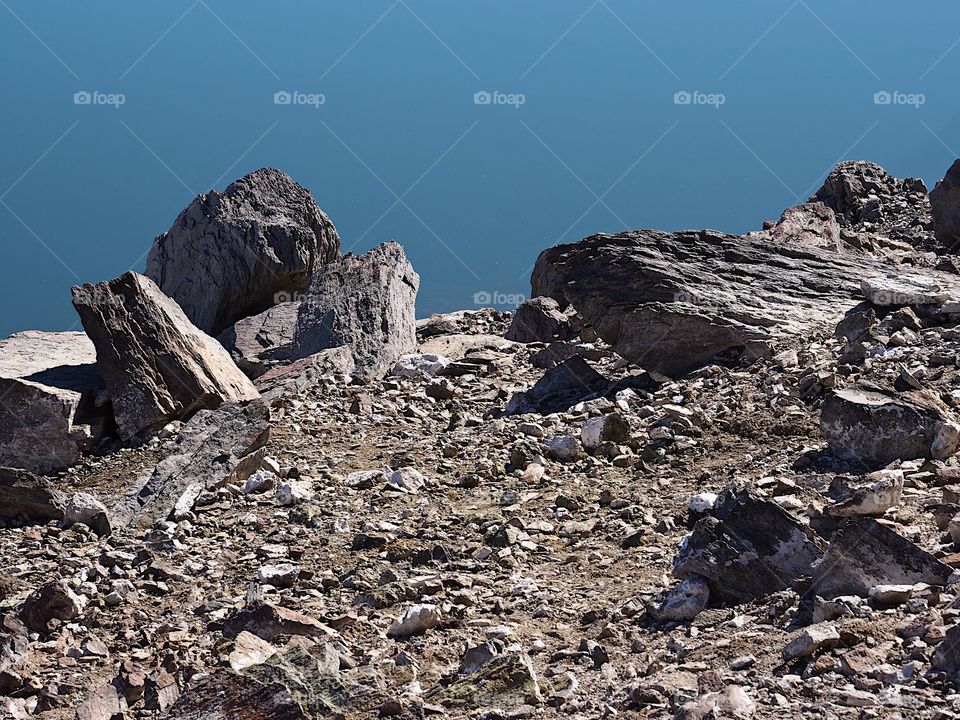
[(215, 447), (235, 253), (875, 427), (366, 303), (560, 388), (747, 548), (227, 695), (156, 364), (673, 302), (48, 384), (864, 553)]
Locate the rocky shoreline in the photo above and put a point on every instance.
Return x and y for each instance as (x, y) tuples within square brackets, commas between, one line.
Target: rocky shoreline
[(697, 475)]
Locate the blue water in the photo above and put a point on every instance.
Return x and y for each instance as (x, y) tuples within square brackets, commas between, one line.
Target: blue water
[(598, 143)]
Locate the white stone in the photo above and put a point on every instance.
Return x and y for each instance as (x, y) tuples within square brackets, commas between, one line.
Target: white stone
[(418, 365), (415, 621), (293, 492)]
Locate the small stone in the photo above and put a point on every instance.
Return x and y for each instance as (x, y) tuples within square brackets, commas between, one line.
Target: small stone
[(810, 640), (415, 621), (293, 492)]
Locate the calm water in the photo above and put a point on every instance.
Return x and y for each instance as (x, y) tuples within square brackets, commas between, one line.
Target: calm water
[(476, 134)]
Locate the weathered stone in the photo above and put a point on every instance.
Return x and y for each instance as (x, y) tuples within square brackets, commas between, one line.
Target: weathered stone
[(810, 640), (301, 375), (55, 600), (267, 621), (416, 620), (560, 387), (605, 428), (25, 495), (250, 650), (849, 187), (261, 341), (897, 291), (947, 655), (420, 365), (458, 346), (234, 254), (808, 225), (732, 702), (876, 427), (366, 303), (540, 319), (104, 703), (214, 448), (48, 384), (747, 548), (157, 366), (945, 207), (864, 553), (684, 602), (673, 302), (881, 491)]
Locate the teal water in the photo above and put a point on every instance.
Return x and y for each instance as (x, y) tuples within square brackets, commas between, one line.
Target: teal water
[(587, 134)]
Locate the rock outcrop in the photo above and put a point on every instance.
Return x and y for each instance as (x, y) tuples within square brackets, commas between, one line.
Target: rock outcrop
[(157, 366), (235, 253), (808, 225), (540, 320), (48, 387), (672, 302), (366, 303)]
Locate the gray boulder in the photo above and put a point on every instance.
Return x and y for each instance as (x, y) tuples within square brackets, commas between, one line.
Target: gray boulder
[(48, 385), (540, 319), (235, 253), (261, 341), (559, 388), (366, 303), (26, 496), (876, 427), (157, 365), (945, 207), (808, 225)]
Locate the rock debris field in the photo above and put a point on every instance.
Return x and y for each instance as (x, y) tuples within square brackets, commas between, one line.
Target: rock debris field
[(697, 475)]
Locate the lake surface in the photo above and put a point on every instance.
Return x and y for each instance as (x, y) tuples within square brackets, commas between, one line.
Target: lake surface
[(475, 134)]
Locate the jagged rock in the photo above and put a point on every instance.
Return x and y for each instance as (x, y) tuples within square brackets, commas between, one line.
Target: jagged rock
[(540, 319), (684, 602), (746, 548), (876, 427), (157, 366), (261, 341), (267, 621), (808, 225), (605, 428), (234, 254), (506, 681), (214, 448), (23, 494), (104, 703), (864, 553), (890, 291), (365, 302), (881, 491), (945, 207), (420, 365), (853, 190), (250, 650), (84, 508), (560, 387), (54, 600), (48, 384)]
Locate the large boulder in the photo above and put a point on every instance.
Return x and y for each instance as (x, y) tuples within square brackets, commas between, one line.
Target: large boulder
[(673, 302), (234, 254), (23, 495), (258, 342), (156, 364), (48, 386), (365, 302), (875, 427), (945, 207), (540, 319)]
